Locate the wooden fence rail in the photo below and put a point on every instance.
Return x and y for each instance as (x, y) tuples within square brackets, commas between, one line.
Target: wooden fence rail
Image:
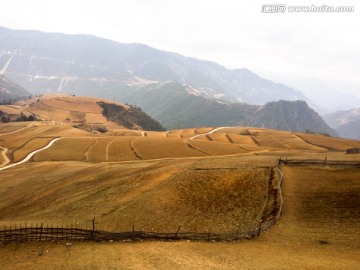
[(55, 234), (300, 162)]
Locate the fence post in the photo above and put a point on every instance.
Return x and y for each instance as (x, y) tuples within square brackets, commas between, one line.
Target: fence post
[(21, 233), (51, 232), (36, 231), (32, 233), (93, 229), (26, 232), (325, 160), (75, 231), (41, 231), (177, 232)]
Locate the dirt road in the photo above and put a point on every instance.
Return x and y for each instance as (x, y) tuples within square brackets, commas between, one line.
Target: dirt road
[(6, 160), (30, 155), (207, 133)]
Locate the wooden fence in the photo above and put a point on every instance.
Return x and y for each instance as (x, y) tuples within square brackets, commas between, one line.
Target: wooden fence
[(317, 162), (353, 151), (271, 221), (57, 234)]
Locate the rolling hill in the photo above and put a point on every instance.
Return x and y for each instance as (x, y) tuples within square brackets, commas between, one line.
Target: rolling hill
[(91, 114), (178, 107), (205, 180), (104, 162)]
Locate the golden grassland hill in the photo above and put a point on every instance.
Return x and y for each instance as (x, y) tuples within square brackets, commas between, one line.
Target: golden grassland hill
[(219, 158), (126, 145), (92, 114), (153, 196), (156, 181)]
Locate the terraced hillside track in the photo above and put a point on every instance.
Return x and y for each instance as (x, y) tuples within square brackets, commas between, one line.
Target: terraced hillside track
[(207, 133), (21, 151), (29, 156), (17, 130)]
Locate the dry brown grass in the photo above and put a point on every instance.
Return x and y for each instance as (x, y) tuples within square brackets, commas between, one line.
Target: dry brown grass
[(296, 142), (183, 133), (244, 141), (216, 148), (125, 132), (173, 134), (124, 145), (67, 149), (202, 192), (11, 127), (255, 254), (9, 109), (219, 137), (74, 104), (98, 152), (70, 109), (159, 195), (270, 142), (120, 149), (153, 148), (29, 146), (234, 130), (202, 130), (330, 143), (57, 111), (321, 205)]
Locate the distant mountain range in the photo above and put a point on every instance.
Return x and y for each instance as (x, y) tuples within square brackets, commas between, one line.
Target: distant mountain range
[(11, 91), (48, 62), (176, 106), (346, 123), (178, 91)]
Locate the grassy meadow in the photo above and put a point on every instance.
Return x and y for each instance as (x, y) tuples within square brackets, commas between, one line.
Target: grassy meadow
[(158, 181)]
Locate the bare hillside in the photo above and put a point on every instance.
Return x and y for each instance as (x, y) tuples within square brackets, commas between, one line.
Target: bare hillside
[(199, 180), (91, 114)]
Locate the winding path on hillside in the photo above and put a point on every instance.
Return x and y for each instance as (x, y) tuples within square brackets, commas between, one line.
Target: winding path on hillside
[(5, 158), (30, 155), (207, 133), (4, 149), (17, 130)]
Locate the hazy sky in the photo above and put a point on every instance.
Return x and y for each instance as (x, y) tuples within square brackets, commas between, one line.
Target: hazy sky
[(286, 47)]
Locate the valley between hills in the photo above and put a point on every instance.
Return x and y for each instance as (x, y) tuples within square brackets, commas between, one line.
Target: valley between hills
[(202, 179)]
